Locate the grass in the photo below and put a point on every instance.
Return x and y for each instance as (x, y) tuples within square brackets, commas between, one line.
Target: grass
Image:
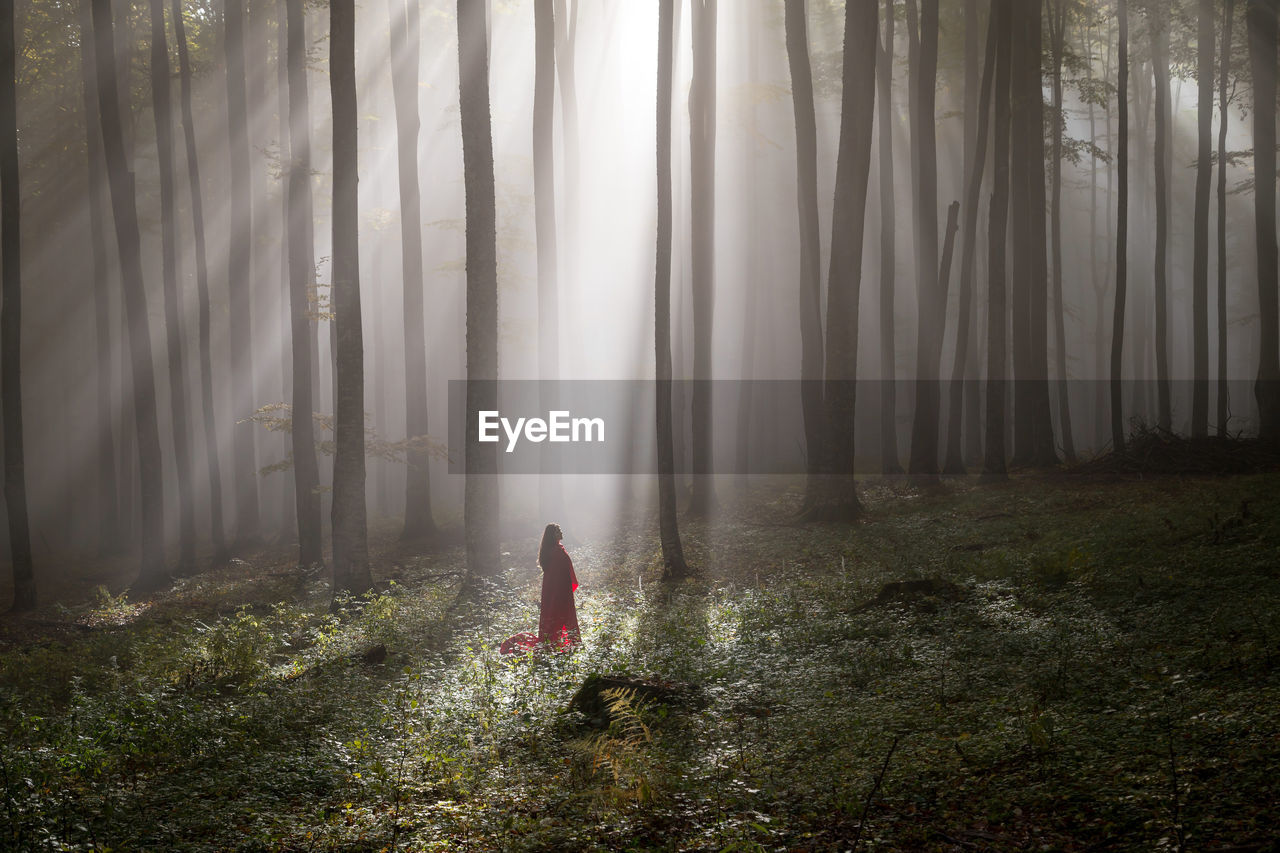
[(1106, 678)]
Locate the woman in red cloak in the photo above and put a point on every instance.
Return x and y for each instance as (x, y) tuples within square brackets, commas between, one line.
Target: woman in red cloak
[(557, 618)]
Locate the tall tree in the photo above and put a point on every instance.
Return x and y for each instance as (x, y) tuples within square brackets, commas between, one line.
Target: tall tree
[(109, 538), (839, 496), (1204, 191), (153, 573), (702, 153), (480, 498), (1033, 422), (994, 465), (300, 240), (797, 37), (220, 552), (565, 18), (1059, 22), (890, 466), (1122, 230), (1224, 104), (1263, 31), (1158, 23), (15, 477), (239, 272), (674, 566), (973, 192), (350, 532), (418, 522), (162, 112), (931, 287)]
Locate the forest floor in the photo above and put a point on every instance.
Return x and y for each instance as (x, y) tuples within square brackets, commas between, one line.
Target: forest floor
[(1081, 664)]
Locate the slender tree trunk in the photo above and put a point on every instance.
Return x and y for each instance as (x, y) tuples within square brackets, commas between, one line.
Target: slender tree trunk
[(300, 240), (973, 193), (848, 227), (239, 272), (994, 465), (1262, 61), (162, 111), (797, 35), (674, 566), (890, 466), (480, 511), (565, 15), (220, 551), (751, 279), (931, 287), (107, 509), (1204, 191), (15, 478), (1122, 234), (702, 148), (350, 535), (404, 15), (1224, 104), (289, 498), (1159, 25), (152, 574), (1060, 13)]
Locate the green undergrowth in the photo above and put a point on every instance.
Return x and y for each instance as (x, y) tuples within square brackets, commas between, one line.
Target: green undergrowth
[(1093, 667)]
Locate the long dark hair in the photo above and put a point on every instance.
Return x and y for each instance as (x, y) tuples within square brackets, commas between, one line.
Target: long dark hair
[(550, 539)]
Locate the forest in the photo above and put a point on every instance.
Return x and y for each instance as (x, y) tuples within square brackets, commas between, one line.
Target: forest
[(752, 425)]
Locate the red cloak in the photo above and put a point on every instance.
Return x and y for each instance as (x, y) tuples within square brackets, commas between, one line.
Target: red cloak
[(558, 618)]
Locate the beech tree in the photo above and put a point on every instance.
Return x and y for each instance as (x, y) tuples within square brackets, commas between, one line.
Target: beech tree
[(1263, 34)]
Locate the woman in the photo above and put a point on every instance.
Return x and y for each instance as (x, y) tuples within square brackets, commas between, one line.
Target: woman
[(558, 619)]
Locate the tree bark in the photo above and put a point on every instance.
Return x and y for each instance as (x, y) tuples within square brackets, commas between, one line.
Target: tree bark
[(994, 465), (350, 534), (300, 242), (1262, 61), (152, 574), (1223, 400), (674, 566), (973, 193), (702, 148), (15, 478), (1159, 26), (1122, 232), (1200, 259), (1060, 20), (480, 512), (419, 525)]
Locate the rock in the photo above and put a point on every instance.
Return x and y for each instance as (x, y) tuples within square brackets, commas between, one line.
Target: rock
[(594, 705)]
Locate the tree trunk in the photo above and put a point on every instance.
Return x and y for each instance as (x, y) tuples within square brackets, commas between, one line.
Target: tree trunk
[(1122, 233), (404, 17), (1223, 104), (973, 193), (674, 566), (797, 35), (751, 278), (480, 513), (931, 288), (152, 574), (300, 240), (239, 298), (839, 500), (162, 112), (994, 465), (565, 15), (890, 464), (220, 552), (1159, 25), (15, 478), (350, 536), (1262, 61), (1204, 191), (107, 509), (1061, 19), (702, 148)]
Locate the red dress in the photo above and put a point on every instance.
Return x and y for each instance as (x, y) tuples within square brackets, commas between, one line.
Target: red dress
[(558, 618)]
